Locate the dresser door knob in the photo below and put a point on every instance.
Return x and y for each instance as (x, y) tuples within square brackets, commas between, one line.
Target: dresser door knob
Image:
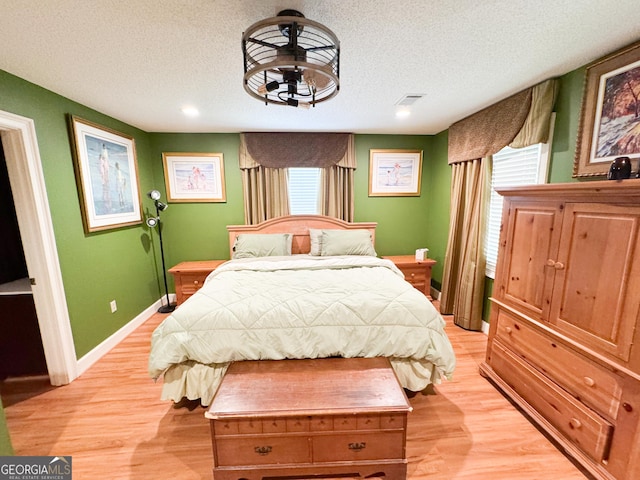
[(195, 282), (508, 330), (589, 382), (575, 423), (558, 266)]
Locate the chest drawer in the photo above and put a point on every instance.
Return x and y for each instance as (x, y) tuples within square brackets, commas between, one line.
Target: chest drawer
[(358, 446), (595, 386), (585, 428), (261, 450)]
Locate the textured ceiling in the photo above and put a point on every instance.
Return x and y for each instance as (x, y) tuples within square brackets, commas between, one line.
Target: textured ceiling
[(141, 61)]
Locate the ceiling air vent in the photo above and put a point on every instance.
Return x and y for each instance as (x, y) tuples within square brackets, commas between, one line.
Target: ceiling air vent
[(410, 99)]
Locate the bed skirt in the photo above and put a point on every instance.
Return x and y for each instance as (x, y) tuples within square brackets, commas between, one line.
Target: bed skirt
[(195, 381)]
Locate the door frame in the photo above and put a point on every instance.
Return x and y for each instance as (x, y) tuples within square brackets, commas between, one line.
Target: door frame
[(18, 135)]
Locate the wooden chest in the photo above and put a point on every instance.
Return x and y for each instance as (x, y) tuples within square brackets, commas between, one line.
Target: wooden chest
[(298, 418)]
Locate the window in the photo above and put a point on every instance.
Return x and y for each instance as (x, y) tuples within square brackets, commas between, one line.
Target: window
[(512, 167), (304, 191)]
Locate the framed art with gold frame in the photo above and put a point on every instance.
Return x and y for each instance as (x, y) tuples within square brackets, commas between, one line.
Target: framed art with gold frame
[(395, 173), (194, 177), (106, 172), (610, 116)]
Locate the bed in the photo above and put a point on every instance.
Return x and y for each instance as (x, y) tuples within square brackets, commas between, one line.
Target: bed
[(299, 287)]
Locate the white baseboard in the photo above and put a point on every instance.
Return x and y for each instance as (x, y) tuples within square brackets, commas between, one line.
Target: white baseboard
[(485, 327), (87, 360)]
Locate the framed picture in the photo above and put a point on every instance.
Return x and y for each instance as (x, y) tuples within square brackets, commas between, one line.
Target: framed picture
[(106, 175), (194, 177), (610, 117), (395, 173)]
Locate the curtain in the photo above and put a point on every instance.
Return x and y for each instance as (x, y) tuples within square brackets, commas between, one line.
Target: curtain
[(265, 189), (519, 121), (336, 186), (265, 157), (463, 280)]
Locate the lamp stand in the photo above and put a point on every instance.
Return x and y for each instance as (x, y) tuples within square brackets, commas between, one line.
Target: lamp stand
[(169, 307)]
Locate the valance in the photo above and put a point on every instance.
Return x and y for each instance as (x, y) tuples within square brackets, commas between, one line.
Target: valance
[(519, 120), (284, 150)]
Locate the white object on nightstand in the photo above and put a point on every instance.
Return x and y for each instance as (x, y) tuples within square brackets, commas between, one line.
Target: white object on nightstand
[(422, 254)]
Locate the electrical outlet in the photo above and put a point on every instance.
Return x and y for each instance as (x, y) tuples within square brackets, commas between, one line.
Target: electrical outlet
[(114, 306)]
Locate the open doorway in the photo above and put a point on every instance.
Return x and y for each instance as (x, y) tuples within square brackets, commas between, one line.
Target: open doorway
[(26, 178), (21, 351)]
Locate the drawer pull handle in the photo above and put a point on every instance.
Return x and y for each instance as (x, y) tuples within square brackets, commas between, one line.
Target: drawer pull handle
[(550, 262), (357, 446), (508, 330), (195, 282), (558, 266), (589, 382), (575, 423), (266, 450)]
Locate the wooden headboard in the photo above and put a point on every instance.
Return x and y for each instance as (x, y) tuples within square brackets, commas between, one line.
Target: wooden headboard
[(299, 226)]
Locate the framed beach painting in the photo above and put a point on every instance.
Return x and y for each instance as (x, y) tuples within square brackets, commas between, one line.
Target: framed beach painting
[(194, 177), (610, 116), (395, 173), (106, 172)]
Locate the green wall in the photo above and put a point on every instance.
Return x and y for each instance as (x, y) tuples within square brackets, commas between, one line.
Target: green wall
[(98, 267), (197, 231), (401, 220), (567, 110)]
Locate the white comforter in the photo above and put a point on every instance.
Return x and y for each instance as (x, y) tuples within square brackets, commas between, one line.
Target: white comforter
[(299, 307)]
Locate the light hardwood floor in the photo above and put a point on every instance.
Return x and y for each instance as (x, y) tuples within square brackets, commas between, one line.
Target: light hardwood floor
[(113, 424)]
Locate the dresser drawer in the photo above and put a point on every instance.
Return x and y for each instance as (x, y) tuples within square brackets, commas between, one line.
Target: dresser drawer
[(595, 386), (358, 446), (415, 275), (261, 450), (585, 428), (191, 282)]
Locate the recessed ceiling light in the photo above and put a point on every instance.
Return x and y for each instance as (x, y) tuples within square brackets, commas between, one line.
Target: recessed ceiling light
[(190, 111), (403, 112)]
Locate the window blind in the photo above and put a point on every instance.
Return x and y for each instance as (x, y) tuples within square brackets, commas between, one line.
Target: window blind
[(304, 189), (511, 167)]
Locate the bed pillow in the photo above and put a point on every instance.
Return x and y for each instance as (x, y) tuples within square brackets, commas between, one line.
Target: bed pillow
[(262, 245), (347, 242), (315, 235)]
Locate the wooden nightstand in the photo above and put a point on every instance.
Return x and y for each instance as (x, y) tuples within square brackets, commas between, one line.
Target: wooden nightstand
[(416, 273), (189, 277)]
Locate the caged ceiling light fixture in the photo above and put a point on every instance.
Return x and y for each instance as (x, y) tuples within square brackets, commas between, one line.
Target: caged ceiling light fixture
[(291, 60)]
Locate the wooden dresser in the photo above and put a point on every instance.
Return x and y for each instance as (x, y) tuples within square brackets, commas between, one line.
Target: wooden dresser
[(333, 417), (190, 276), (417, 273), (563, 342)]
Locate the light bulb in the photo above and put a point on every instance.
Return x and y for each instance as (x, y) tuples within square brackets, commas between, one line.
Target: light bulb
[(154, 195)]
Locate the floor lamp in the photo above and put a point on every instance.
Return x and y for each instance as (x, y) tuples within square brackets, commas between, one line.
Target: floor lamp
[(153, 222)]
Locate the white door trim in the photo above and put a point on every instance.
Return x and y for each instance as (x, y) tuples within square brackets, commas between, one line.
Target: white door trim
[(26, 176)]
